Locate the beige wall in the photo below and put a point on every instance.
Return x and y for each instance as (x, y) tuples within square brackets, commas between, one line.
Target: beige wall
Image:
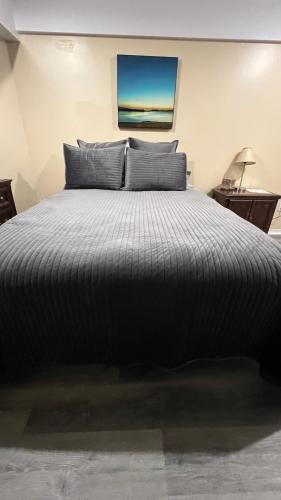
[(228, 96), (14, 156)]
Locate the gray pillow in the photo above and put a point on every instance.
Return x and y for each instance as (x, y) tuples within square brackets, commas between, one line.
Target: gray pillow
[(154, 147), (98, 145), (93, 168), (146, 171)]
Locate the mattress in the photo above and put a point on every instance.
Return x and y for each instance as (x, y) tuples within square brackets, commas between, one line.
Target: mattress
[(97, 276)]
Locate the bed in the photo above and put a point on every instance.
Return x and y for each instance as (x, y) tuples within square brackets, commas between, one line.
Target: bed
[(117, 277)]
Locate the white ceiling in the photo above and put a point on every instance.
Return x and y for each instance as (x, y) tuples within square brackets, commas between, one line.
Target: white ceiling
[(200, 19), (7, 24)]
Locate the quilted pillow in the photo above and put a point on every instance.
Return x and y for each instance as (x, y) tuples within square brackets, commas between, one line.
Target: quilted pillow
[(146, 171), (97, 145), (93, 168), (155, 147)]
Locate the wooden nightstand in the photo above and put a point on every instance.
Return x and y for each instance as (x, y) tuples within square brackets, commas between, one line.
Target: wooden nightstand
[(7, 204), (257, 208)]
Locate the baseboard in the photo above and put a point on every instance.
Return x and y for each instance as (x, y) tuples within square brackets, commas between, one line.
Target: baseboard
[(276, 234)]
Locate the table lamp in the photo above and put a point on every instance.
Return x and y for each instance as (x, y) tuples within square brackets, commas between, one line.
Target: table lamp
[(245, 157)]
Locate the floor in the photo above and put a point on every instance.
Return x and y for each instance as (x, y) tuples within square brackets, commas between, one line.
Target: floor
[(211, 431)]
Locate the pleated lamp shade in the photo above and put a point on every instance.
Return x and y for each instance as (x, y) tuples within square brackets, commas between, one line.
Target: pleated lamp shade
[(246, 157)]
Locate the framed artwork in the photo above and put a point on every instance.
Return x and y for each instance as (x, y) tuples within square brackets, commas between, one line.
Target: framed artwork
[(146, 88)]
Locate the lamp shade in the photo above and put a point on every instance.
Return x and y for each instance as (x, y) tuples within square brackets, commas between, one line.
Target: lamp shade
[(245, 157)]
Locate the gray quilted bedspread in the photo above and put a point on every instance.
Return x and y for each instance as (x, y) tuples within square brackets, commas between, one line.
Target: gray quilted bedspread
[(120, 277)]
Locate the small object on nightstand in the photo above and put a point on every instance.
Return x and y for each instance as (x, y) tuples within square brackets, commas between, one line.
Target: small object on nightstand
[(256, 206), (7, 204), (245, 157), (227, 184)]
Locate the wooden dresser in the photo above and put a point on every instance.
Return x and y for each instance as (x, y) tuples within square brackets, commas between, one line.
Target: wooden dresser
[(256, 207), (7, 204)]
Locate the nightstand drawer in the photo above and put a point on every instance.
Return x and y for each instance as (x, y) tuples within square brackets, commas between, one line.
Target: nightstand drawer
[(5, 216), (241, 207), (262, 212), (6, 213), (256, 207), (4, 198), (7, 204)]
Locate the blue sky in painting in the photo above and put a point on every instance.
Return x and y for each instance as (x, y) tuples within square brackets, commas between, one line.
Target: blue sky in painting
[(146, 81)]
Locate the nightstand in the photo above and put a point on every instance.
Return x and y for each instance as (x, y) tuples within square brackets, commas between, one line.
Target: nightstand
[(256, 207), (7, 204)]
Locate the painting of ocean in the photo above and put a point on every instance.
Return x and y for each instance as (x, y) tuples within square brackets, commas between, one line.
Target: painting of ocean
[(146, 88)]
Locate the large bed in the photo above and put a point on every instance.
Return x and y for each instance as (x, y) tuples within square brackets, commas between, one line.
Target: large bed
[(118, 277)]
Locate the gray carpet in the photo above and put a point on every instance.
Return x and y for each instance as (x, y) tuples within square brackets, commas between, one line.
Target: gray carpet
[(211, 431)]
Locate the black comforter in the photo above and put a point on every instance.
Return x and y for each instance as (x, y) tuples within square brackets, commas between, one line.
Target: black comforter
[(119, 277)]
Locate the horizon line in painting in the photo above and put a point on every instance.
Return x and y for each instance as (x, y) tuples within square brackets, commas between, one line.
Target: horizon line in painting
[(146, 87)]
